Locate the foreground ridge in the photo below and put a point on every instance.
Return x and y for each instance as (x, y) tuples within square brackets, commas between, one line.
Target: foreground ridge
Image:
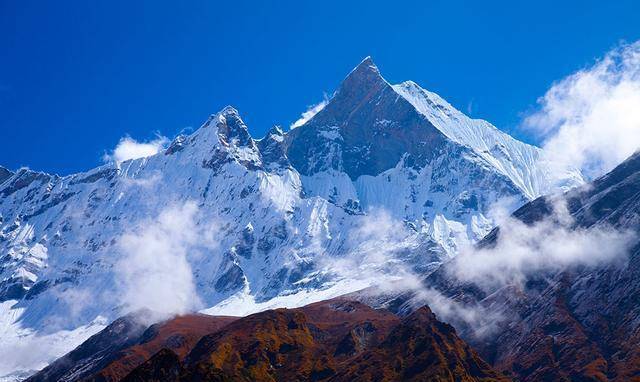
[(335, 340)]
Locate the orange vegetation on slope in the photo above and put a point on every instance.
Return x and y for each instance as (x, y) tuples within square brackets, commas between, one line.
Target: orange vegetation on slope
[(335, 340)]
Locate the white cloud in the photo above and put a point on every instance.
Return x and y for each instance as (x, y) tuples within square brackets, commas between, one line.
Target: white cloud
[(154, 272), (522, 251), (378, 245), (590, 120), (480, 319), (128, 148), (311, 111), (550, 245)]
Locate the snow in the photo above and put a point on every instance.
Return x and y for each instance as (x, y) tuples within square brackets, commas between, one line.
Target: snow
[(243, 303), (267, 235), (331, 134), (23, 350), (330, 185), (518, 161)]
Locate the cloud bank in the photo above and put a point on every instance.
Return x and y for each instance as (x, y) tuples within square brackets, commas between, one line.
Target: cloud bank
[(380, 246), (128, 148), (23, 353), (590, 120)]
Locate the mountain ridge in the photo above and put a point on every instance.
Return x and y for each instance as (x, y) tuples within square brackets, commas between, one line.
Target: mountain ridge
[(285, 207), (334, 340), (573, 322)]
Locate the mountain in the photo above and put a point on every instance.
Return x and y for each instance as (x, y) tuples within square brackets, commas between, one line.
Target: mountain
[(371, 126), (334, 340), (576, 323), (591, 314), (409, 151), (241, 224)]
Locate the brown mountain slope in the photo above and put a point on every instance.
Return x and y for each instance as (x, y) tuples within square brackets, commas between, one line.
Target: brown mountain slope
[(178, 335), (584, 324), (335, 340), (126, 343), (421, 348)]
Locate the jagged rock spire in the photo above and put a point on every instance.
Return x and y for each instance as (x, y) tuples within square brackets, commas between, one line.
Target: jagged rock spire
[(272, 149), (275, 131), (364, 79), (365, 67), (362, 82), (232, 127)]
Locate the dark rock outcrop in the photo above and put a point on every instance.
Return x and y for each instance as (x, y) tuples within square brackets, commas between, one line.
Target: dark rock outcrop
[(365, 129)]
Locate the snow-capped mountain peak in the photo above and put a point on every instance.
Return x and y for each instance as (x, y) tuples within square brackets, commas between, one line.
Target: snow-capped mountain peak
[(369, 125), (224, 137), (366, 72), (285, 206)]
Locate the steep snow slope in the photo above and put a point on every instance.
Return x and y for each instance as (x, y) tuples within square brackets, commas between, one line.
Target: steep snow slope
[(518, 161), (369, 186)]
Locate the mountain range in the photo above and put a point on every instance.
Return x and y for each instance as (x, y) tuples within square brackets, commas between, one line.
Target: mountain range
[(383, 181), (574, 323)]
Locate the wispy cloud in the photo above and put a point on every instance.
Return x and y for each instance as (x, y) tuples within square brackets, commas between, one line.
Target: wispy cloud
[(590, 120), (379, 244), (128, 148), (549, 245), (310, 112), (471, 107)]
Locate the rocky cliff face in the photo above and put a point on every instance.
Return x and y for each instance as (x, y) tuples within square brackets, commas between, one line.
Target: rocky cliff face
[(283, 207)]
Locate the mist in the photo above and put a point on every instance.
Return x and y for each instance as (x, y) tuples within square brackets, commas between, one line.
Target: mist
[(154, 271)]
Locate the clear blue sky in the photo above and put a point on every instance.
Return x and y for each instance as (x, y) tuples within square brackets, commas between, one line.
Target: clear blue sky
[(76, 76)]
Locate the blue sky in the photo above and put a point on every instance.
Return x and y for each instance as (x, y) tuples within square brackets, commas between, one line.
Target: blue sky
[(76, 76)]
